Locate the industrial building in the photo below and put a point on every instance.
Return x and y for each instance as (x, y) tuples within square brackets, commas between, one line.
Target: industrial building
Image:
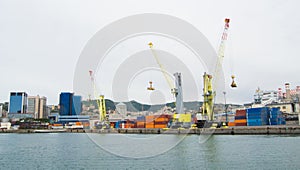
[(287, 101), (69, 104)]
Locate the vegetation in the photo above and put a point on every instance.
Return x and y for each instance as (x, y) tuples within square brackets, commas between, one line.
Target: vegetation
[(4, 106)]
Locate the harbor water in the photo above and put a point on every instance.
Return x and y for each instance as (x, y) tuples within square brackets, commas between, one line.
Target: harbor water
[(80, 151)]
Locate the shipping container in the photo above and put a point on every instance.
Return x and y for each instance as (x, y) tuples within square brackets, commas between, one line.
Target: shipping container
[(161, 119), (149, 126), (240, 121), (231, 124), (241, 124), (160, 126), (240, 117), (240, 113)]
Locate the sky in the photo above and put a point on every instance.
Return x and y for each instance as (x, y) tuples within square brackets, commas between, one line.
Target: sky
[(42, 40)]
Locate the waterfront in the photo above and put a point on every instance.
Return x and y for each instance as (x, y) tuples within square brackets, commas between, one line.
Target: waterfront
[(78, 151)]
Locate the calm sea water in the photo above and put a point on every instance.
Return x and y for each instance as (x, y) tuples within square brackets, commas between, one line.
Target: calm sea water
[(80, 151)]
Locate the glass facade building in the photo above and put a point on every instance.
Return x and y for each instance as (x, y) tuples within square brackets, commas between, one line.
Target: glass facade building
[(69, 104), (18, 102)]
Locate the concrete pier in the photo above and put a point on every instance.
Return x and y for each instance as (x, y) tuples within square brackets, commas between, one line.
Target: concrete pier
[(242, 130)]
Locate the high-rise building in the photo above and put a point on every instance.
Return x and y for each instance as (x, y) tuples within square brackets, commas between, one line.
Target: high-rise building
[(37, 106), (17, 102), (76, 105), (43, 113), (69, 104)]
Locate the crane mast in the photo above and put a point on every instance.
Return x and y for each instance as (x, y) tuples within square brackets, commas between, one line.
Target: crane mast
[(210, 81), (100, 101)]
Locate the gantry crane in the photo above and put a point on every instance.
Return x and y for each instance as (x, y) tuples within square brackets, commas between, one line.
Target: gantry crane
[(103, 121), (210, 81)]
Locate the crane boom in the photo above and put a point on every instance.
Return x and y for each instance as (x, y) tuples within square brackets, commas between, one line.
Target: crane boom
[(220, 54), (210, 82), (168, 79)]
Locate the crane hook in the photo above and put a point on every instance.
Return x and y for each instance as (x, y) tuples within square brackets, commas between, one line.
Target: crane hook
[(150, 87), (233, 84)]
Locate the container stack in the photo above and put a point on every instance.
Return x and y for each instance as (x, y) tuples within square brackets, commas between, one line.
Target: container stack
[(124, 124), (140, 122), (157, 121), (149, 121), (275, 117), (129, 124), (257, 116), (161, 121), (240, 118)]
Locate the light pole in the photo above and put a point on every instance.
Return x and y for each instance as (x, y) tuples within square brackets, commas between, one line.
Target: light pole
[(225, 106)]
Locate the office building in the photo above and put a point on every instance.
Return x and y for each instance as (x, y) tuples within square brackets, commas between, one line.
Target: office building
[(17, 103), (37, 106), (69, 104)]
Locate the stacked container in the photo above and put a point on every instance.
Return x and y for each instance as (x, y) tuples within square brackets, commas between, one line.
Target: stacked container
[(156, 121), (275, 117), (149, 121), (257, 116), (140, 122), (240, 118), (161, 121)]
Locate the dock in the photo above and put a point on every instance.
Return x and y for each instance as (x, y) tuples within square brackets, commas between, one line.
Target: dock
[(241, 130)]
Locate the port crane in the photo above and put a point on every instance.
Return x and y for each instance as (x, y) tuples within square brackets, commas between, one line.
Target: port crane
[(210, 81), (179, 119), (103, 120)]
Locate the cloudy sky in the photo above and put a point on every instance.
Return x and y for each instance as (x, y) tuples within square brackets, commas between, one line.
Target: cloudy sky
[(41, 41)]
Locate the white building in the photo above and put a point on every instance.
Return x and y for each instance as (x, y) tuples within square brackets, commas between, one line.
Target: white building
[(121, 108), (265, 97)]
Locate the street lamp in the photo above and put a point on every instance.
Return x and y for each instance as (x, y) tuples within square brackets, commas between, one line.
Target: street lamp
[(225, 107)]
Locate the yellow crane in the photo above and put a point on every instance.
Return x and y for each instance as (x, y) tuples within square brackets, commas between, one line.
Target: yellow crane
[(179, 118), (210, 81), (162, 69), (103, 121)]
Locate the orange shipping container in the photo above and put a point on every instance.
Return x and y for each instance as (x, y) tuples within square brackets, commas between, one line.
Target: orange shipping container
[(152, 117), (149, 121), (231, 124), (149, 126), (240, 121), (161, 126), (78, 123), (161, 119)]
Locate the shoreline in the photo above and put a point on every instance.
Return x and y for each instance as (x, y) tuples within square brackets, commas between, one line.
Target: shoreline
[(242, 130)]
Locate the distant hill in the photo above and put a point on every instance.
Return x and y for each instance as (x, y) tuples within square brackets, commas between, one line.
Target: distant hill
[(134, 106)]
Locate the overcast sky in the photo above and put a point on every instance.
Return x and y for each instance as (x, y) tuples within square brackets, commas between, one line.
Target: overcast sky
[(41, 40)]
